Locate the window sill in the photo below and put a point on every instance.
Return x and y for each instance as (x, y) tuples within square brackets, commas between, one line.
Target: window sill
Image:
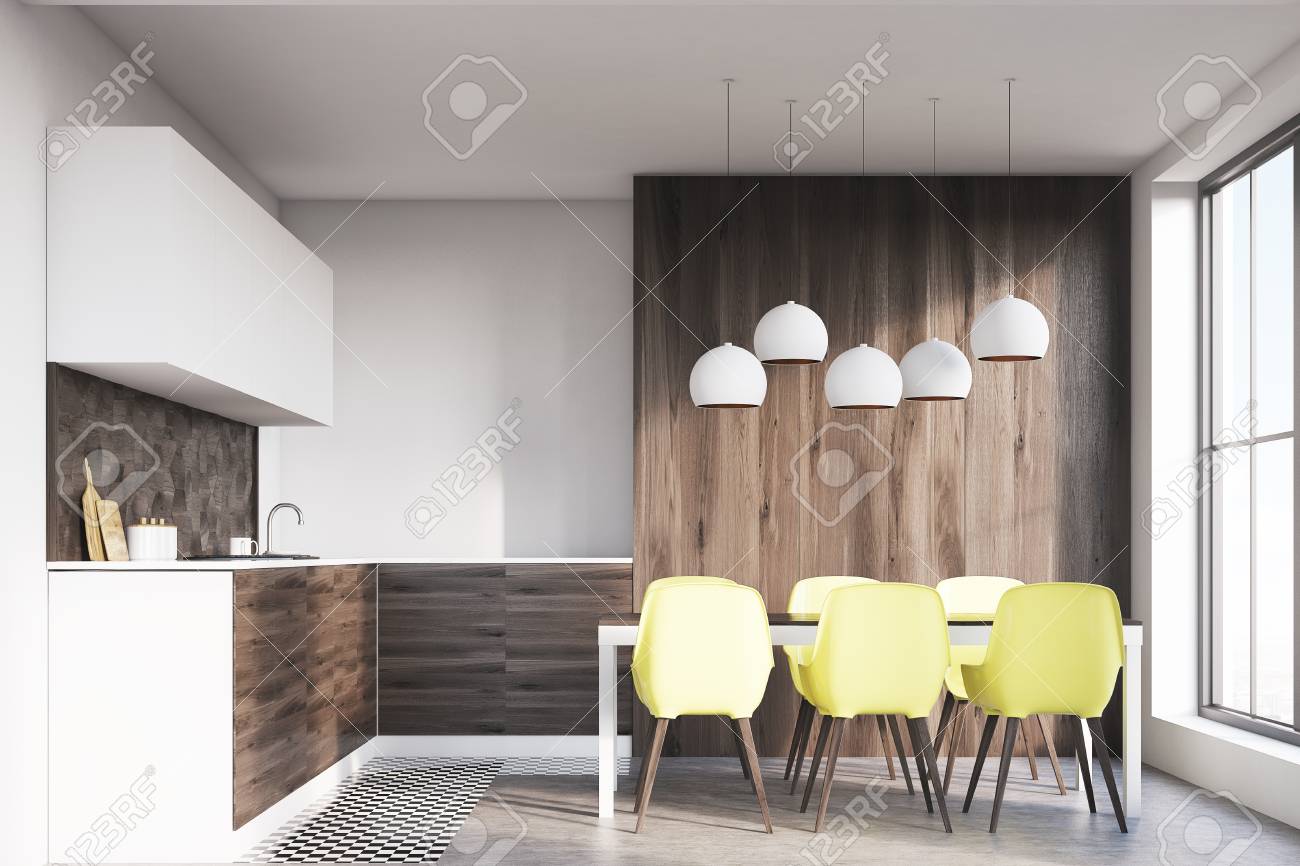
[(1235, 736)]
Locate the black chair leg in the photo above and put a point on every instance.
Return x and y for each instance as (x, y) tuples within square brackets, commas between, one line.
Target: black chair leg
[(1008, 751), (922, 776), (921, 735), (1081, 755), (802, 721), (884, 746), (945, 720), (1102, 751), (990, 725), (823, 737), (803, 751), (902, 753)]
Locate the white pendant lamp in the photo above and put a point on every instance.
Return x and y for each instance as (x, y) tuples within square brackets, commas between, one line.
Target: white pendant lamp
[(935, 370), (863, 378), (728, 377), (1009, 329), (790, 334)]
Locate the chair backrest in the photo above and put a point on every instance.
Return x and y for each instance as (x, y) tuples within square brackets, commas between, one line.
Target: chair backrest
[(807, 597), (881, 648), (702, 649), (680, 579), (974, 595), (1056, 648)]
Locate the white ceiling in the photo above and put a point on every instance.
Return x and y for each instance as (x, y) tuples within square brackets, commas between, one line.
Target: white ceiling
[(325, 101)]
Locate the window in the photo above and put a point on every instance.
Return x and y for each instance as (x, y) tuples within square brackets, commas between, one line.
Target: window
[(1247, 444)]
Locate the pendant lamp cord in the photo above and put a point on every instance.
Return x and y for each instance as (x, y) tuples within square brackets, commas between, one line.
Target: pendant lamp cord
[(934, 162), (789, 136), (1011, 287), (862, 86), (728, 83)]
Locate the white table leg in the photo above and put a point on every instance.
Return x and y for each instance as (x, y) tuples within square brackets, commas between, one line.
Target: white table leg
[(1132, 732), (607, 751)]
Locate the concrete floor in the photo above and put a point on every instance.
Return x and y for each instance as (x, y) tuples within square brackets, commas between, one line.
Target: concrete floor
[(703, 812)]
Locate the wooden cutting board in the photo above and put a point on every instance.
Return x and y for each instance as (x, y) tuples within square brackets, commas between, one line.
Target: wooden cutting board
[(110, 525), (90, 515)]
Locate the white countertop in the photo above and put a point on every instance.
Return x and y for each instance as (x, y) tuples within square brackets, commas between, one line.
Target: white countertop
[(251, 564)]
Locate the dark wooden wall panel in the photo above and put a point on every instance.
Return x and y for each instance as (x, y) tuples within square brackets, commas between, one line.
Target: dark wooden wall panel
[(196, 469), (495, 649), (1027, 478), (305, 674)]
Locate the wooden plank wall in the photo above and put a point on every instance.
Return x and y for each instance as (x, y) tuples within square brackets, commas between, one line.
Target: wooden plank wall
[(305, 693), (495, 649), (1026, 478)]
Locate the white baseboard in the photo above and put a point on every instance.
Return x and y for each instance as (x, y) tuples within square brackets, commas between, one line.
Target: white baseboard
[(494, 746)]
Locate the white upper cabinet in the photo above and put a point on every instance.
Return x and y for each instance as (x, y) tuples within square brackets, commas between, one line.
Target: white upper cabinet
[(165, 276)]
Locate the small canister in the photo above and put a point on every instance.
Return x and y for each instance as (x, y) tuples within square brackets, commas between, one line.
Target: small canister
[(151, 538)]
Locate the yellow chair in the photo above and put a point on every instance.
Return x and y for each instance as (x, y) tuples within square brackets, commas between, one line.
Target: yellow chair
[(807, 597), (703, 649), (976, 597), (678, 580), (881, 649), (1055, 648)]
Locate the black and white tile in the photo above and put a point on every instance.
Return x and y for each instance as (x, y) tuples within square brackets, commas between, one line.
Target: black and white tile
[(393, 810), (407, 810)]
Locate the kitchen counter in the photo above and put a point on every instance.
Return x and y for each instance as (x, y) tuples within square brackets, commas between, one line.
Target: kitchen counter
[(252, 564)]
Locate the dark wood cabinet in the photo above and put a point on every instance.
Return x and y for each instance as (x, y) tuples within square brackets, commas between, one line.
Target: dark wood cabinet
[(495, 649), (305, 690)]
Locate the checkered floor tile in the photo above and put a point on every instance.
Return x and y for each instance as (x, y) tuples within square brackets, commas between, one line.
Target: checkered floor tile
[(393, 810), (402, 810), (557, 766)]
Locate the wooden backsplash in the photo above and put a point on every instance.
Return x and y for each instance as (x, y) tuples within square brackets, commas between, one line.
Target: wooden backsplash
[(1028, 477), (154, 457)]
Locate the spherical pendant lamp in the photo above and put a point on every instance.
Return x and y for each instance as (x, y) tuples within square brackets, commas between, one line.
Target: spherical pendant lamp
[(935, 370), (790, 334), (728, 377), (863, 378), (1009, 330)]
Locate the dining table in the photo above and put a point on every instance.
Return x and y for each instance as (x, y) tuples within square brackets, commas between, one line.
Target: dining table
[(786, 629)]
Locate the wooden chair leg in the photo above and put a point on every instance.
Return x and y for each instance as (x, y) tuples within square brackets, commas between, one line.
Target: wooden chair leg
[(822, 737), (958, 725), (902, 753), (837, 736), (1051, 754), (801, 724), (640, 781), (1008, 751), (803, 750), (740, 747), (884, 746), (921, 774), (921, 735), (1102, 751), (1081, 755), (990, 725), (755, 774), (945, 720), (1029, 751), (661, 728)]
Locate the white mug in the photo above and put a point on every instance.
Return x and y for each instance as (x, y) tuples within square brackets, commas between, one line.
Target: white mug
[(242, 546)]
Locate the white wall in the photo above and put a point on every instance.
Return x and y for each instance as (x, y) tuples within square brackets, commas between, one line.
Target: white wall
[(1262, 773), (50, 59), (446, 312)]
